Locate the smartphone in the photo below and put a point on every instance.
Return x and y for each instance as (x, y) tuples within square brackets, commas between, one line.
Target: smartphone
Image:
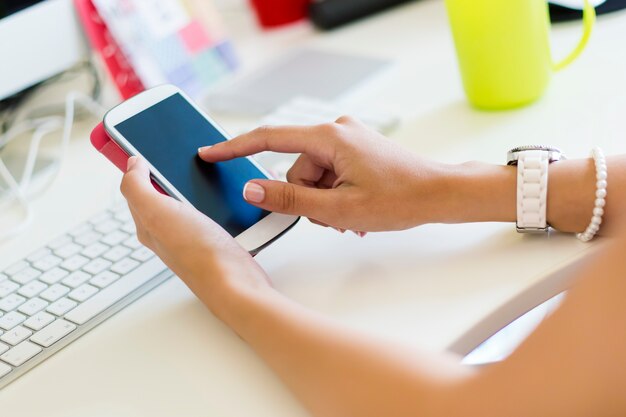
[(166, 128)]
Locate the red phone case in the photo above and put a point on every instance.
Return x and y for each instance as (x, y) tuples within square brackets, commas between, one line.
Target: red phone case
[(101, 140)]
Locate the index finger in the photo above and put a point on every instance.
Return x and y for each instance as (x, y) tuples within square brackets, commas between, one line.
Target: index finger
[(283, 139)]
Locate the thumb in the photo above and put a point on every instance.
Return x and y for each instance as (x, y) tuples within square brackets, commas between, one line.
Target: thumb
[(287, 198)]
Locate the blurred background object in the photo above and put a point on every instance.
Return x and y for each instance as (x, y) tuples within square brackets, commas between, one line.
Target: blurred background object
[(564, 10), (272, 13)]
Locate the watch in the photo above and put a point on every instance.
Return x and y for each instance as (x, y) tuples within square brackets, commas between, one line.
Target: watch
[(532, 184)]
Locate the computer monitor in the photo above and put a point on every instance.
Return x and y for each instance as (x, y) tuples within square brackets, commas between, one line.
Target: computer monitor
[(38, 39)]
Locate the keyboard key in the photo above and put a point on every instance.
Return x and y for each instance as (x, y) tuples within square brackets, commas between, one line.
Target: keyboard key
[(4, 369), (11, 302), (53, 276), (124, 266), (32, 289), (3, 277), (53, 333), (97, 265), (108, 226), (76, 279), (94, 250), (104, 279), (15, 268), (133, 243), (81, 230), (10, 320), (83, 292), (114, 238), (21, 353), (123, 215), (26, 275), (60, 241), (102, 217), (88, 238), (3, 348), (33, 306), (54, 292), (39, 320), (117, 253), (61, 306), (38, 255), (7, 287), (47, 263), (116, 291), (129, 227), (16, 335), (142, 254), (68, 250), (74, 263)]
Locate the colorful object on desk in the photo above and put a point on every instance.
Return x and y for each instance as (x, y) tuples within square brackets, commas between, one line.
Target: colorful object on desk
[(101, 140), (159, 42), (101, 40), (272, 13), (504, 49)]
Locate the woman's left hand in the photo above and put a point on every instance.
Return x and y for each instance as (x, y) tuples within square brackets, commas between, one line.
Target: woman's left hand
[(194, 247)]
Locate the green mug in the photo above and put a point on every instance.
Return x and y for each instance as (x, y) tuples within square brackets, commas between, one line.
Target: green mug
[(503, 47)]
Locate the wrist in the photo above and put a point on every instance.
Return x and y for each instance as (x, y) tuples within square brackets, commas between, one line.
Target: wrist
[(478, 192)]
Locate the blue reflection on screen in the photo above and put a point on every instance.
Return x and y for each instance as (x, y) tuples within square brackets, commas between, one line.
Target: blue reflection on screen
[(168, 135)]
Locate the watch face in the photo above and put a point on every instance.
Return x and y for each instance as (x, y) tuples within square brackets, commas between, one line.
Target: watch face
[(547, 148), (555, 154)]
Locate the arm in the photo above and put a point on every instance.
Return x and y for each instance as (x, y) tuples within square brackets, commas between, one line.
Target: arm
[(483, 192), (351, 177), (573, 365)]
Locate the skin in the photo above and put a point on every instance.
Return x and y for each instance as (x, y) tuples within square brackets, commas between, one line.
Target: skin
[(574, 364)]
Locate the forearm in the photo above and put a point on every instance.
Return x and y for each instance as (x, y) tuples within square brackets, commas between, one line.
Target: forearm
[(336, 372), (477, 192), (574, 364)]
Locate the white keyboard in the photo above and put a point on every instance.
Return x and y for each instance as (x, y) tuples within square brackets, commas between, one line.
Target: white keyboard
[(305, 111), (68, 287)]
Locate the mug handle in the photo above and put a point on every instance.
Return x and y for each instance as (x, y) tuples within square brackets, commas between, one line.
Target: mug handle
[(589, 20)]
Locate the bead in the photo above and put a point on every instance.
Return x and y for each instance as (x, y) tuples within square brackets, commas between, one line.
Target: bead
[(600, 202)]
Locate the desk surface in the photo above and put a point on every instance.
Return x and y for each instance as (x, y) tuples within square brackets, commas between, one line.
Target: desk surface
[(165, 354)]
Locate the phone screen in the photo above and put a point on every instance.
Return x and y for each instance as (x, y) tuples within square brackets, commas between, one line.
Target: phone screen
[(168, 135)]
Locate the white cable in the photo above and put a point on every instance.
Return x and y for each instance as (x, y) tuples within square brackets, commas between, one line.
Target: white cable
[(41, 127)]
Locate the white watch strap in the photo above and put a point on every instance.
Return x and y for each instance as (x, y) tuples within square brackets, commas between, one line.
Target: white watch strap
[(532, 190)]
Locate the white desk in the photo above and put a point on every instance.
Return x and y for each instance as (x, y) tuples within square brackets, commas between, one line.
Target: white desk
[(166, 355)]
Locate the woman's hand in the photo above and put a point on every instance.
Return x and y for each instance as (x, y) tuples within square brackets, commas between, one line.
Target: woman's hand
[(199, 251), (348, 177)]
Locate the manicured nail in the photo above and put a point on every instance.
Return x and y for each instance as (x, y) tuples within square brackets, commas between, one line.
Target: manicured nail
[(131, 163), (253, 192), (362, 234), (204, 148)]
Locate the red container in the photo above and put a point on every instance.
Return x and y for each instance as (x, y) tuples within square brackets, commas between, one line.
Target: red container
[(272, 13)]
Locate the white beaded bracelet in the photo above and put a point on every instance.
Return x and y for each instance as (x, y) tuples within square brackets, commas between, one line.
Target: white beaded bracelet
[(598, 210)]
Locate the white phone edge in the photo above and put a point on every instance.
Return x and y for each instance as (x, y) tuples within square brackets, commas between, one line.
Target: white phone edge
[(253, 239)]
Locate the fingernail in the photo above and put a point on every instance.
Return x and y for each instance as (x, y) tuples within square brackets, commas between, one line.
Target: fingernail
[(131, 163), (362, 234), (253, 192), (204, 148)]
